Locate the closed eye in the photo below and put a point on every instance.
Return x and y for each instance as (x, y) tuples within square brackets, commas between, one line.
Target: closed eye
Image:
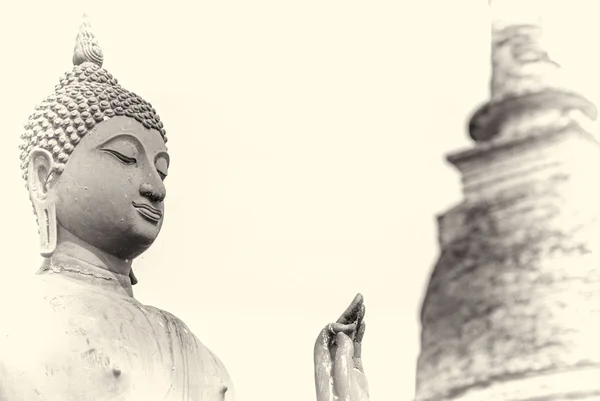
[(121, 157), (162, 176)]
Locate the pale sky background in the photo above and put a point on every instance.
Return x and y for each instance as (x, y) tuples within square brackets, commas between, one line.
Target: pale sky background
[(307, 141)]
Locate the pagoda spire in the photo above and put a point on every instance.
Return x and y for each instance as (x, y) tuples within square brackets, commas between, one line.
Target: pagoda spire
[(527, 78), (513, 303)]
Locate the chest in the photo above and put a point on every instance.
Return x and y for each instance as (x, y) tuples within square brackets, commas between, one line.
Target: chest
[(98, 347)]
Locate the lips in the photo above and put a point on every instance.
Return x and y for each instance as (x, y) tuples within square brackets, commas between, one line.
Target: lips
[(148, 212)]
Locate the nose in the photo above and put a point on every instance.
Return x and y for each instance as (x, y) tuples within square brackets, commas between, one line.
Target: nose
[(155, 192)]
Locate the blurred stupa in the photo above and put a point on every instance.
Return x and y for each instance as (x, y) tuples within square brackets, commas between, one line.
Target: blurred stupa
[(513, 304)]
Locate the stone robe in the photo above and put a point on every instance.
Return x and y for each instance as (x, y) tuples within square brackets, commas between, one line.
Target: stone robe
[(74, 334)]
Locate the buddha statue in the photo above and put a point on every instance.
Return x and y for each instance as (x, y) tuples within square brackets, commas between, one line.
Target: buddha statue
[(94, 159)]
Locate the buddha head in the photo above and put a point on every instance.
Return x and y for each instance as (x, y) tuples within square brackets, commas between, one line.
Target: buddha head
[(94, 159)]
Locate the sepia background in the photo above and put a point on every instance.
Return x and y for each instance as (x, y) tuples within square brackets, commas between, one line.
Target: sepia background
[(307, 141)]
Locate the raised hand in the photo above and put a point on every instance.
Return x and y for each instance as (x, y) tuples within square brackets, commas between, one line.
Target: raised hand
[(339, 374)]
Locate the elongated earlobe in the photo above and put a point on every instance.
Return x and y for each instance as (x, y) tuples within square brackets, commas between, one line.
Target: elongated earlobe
[(44, 202)]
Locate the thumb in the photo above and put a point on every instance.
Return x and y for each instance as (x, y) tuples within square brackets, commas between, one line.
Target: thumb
[(343, 365)]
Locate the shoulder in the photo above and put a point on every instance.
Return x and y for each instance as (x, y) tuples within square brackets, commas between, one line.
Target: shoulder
[(203, 351), (167, 319)]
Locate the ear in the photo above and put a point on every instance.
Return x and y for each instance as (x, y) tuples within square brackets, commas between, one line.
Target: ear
[(40, 168)]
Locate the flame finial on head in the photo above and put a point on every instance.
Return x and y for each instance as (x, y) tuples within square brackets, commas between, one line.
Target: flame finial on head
[(86, 45)]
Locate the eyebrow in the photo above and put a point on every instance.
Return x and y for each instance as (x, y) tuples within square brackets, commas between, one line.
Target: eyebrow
[(124, 135)]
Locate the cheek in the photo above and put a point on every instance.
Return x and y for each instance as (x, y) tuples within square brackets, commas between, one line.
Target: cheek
[(99, 191)]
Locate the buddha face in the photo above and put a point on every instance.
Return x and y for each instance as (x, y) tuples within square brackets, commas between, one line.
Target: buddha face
[(111, 192)]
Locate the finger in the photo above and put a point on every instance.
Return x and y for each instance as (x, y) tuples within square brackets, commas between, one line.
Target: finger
[(347, 329), (360, 385), (323, 365), (342, 366), (361, 313), (358, 364), (359, 318), (349, 316), (358, 346), (360, 333)]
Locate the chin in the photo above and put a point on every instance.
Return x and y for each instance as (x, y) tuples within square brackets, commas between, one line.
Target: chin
[(145, 233), (132, 246), (132, 241)]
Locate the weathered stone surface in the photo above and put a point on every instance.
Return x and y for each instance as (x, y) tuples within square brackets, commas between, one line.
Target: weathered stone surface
[(516, 290), (513, 304)]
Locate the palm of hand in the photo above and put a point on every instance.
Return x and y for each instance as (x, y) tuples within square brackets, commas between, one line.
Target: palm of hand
[(339, 374)]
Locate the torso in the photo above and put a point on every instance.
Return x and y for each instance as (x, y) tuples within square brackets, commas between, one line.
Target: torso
[(67, 340)]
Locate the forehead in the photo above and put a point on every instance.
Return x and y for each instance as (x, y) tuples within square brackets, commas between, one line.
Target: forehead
[(119, 125)]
